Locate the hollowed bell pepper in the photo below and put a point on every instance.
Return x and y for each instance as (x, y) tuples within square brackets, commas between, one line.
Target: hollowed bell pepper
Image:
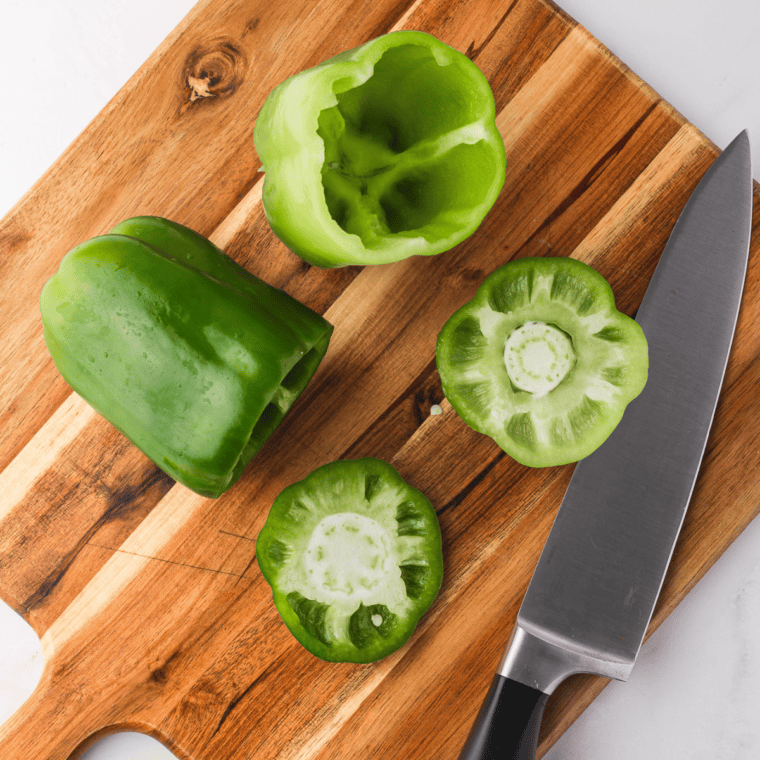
[(383, 152), (194, 359)]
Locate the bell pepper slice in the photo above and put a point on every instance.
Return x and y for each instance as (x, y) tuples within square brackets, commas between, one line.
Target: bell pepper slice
[(353, 555), (190, 356), (541, 360), (383, 152)]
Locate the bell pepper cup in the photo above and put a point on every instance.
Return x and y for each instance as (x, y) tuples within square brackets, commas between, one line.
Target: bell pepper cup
[(383, 152)]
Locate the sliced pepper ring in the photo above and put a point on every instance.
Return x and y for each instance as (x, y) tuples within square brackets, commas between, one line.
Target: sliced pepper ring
[(353, 555), (541, 360), (383, 152), (190, 356)]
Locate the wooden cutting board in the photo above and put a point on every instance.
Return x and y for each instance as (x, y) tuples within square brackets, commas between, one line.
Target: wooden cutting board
[(151, 608)]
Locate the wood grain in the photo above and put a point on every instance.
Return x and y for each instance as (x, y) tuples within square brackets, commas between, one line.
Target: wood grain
[(152, 612)]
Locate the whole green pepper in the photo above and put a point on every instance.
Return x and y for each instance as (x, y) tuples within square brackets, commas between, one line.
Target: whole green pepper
[(383, 152), (194, 359), (353, 555), (541, 360)]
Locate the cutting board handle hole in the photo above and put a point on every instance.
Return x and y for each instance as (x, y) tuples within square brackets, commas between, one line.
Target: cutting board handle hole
[(116, 743)]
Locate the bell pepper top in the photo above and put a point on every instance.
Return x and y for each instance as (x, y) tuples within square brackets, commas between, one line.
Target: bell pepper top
[(541, 361), (354, 557)]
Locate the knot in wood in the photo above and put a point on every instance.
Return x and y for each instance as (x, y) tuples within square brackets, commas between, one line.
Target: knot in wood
[(214, 69), (161, 667)]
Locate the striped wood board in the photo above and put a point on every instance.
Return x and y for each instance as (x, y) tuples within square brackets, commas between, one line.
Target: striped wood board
[(151, 608)]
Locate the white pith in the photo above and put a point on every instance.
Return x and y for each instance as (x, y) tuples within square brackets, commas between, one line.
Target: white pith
[(350, 560)]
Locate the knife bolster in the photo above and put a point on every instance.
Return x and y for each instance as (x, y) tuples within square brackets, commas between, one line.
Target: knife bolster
[(539, 662)]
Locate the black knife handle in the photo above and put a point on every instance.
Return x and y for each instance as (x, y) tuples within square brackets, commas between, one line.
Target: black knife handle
[(507, 725)]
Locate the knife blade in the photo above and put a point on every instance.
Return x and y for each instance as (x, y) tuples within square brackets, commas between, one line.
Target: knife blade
[(594, 589)]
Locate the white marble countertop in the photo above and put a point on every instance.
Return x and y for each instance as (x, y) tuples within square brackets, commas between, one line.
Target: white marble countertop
[(695, 691)]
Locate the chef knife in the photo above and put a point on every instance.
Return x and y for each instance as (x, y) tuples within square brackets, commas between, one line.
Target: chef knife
[(594, 589)]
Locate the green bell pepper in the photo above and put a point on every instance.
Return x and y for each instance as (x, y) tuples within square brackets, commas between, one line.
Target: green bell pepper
[(353, 555), (541, 361), (383, 152), (194, 359)]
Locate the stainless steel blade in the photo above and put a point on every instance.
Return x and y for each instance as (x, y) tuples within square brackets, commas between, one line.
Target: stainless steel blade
[(594, 590)]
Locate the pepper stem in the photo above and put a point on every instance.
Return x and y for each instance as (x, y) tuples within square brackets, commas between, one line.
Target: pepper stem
[(538, 357)]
